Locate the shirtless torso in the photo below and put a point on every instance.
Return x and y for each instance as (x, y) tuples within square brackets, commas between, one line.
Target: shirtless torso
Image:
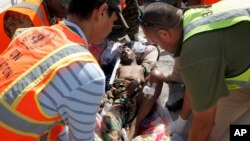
[(131, 72)]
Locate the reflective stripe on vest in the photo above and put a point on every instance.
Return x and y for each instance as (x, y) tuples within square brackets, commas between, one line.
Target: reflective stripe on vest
[(36, 72), (220, 15), (240, 81), (26, 68), (10, 119), (215, 17), (35, 8)]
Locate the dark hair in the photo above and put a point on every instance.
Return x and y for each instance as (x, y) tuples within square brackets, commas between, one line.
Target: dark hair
[(84, 8), (160, 15)]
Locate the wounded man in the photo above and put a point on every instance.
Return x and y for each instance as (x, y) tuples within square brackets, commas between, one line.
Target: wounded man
[(123, 96)]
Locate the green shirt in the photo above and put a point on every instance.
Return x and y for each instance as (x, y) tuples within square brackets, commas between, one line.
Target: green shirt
[(210, 57)]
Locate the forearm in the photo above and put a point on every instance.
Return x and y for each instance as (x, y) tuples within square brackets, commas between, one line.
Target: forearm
[(199, 132), (202, 125), (186, 107), (171, 77), (145, 106), (167, 77)]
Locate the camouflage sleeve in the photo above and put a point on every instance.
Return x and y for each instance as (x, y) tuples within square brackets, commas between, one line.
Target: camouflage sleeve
[(131, 14), (149, 59), (14, 20)]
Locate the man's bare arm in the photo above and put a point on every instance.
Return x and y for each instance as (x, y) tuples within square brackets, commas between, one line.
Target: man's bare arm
[(202, 125)]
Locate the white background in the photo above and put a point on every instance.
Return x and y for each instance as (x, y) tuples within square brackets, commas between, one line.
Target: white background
[(6, 3)]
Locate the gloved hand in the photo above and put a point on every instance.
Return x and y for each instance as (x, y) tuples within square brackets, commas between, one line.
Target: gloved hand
[(178, 125)]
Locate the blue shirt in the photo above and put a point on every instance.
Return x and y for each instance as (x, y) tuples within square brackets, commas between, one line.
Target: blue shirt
[(75, 93)]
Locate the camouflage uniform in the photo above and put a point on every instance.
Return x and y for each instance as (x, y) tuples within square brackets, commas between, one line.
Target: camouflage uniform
[(122, 112), (131, 14)]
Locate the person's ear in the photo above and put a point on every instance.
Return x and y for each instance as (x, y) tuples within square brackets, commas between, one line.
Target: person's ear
[(164, 34), (102, 10)]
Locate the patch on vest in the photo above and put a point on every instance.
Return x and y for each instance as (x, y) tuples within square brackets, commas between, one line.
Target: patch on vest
[(37, 39)]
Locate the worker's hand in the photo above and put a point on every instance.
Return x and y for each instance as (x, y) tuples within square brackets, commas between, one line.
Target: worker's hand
[(155, 76), (133, 85)]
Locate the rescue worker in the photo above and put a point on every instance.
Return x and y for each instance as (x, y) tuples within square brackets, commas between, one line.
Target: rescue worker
[(214, 49), (131, 14), (49, 79), (28, 14), (179, 124)]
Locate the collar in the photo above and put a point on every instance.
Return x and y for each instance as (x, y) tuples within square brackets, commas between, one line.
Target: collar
[(75, 28)]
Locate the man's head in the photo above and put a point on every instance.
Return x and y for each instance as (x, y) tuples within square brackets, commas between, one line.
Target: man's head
[(161, 24), (100, 14), (127, 56), (58, 8)]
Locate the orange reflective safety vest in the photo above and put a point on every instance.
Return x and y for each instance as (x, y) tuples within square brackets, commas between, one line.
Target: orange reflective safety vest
[(209, 2), (26, 67), (32, 8)]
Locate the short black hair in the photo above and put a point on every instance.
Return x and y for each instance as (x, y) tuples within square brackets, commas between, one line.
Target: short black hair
[(84, 8), (160, 15)]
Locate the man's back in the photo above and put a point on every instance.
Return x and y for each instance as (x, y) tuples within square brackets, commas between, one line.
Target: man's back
[(47, 44)]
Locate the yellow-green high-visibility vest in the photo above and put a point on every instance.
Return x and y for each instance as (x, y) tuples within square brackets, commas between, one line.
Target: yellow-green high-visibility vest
[(220, 15)]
